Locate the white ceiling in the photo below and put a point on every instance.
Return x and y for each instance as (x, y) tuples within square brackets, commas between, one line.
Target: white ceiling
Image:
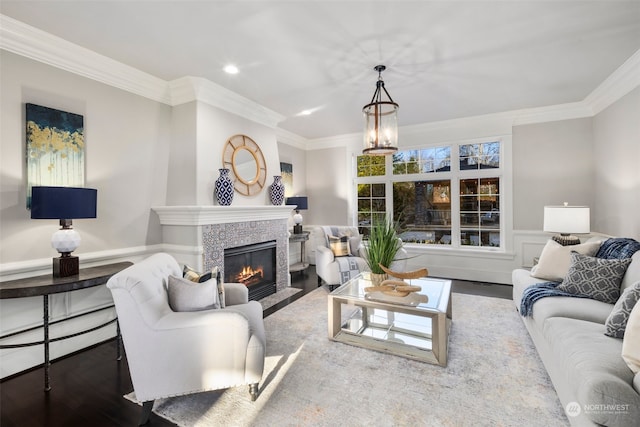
[(445, 60)]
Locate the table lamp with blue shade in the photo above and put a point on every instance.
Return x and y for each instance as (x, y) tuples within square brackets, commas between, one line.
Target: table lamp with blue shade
[(64, 204), (301, 204)]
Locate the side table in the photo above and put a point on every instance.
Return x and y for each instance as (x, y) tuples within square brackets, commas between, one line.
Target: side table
[(303, 264), (47, 285)]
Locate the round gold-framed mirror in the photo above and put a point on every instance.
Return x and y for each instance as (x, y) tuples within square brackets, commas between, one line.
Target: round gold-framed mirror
[(244, 158)]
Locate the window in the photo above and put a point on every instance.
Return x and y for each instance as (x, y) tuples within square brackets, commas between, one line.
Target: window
[(480, 156), (371, 166), (372, 204), (446, 195), (422, 210), (422, 161), (480, 212)]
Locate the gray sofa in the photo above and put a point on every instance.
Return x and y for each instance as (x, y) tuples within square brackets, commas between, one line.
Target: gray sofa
[(585, 366)]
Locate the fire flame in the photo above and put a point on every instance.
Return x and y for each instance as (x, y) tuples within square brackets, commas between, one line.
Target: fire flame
[(248, 273)]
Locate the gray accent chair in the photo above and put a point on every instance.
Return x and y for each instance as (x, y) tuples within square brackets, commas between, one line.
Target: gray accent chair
[(177, 353)]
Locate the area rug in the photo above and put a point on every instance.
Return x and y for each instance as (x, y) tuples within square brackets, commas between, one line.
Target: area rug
[(273, 299), (493, 378)]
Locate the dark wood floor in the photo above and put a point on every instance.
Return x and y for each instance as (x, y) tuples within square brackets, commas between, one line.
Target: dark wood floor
[(87, 387)]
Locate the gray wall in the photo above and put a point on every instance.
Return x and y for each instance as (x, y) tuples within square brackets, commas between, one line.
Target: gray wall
[(328, 186), (616, 142), (127, 150), (298, 160), (552, 163), (181, 189)]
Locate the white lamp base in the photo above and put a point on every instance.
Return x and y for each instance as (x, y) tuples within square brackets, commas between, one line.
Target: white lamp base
[(297, 220), (65, 240)]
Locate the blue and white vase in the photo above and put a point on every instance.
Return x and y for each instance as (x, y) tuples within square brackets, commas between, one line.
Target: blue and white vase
[(276, 191), (223, 190)]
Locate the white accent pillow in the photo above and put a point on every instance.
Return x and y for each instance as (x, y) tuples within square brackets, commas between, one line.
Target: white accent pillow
[(185, 295), (631, 341), (354, 244), (555, 259)]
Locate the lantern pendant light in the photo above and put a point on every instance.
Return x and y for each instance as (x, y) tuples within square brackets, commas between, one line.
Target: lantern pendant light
[(380, 121)]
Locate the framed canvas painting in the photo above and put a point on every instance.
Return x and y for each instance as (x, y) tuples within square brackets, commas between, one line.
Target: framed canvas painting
[(55, 148), (286, 170)]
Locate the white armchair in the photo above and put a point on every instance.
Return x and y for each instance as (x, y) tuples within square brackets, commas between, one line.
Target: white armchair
[(335, 271), (175, 353)]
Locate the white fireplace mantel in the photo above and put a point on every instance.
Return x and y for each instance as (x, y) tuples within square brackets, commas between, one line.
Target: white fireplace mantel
[(205, 215)]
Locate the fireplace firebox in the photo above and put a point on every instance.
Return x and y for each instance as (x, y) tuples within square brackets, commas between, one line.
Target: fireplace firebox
[(253, 265)]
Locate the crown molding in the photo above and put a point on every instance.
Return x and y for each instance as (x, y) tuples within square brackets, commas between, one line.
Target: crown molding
[(189, 88), (482, 125), (551, 113), (618, 84), (292, 139), (33, 43)]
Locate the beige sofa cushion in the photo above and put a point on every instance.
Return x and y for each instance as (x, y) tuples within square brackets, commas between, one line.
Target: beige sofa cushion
[(631, 341), (555, 259), (633, 273)]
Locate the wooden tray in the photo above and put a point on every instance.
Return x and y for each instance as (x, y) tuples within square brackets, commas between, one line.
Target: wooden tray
[(413, 299)]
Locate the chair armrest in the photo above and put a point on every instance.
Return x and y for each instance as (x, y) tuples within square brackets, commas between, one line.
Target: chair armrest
[(198, 319), (235, 293), (324, 255)]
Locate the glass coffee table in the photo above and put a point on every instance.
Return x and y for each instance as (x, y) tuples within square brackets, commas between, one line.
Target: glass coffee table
[(416, 326)]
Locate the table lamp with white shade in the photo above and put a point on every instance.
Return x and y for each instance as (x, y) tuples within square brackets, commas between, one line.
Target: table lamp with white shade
[(566, 220)]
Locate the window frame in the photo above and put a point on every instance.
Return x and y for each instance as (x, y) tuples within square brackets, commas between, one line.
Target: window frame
[(455, 174)]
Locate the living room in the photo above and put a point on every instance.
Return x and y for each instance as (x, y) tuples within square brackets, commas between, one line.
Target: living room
[(155, 141)]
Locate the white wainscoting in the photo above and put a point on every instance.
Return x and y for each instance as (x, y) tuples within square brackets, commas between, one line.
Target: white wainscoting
[(17, 314)]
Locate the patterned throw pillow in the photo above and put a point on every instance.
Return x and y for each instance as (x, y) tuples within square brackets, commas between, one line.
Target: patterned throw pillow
[(339, 245), (221, 298), (191, 274), (186, 295), (595, 278), (617, 320)]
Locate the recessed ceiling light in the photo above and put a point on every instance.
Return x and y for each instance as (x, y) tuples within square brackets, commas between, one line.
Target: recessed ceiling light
[(305, 112), (231, 69)]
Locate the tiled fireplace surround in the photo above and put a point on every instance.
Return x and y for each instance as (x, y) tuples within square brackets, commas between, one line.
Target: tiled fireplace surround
[(199, 234)]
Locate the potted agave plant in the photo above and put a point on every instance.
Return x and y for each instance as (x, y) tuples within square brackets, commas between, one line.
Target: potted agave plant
[(381, 248)]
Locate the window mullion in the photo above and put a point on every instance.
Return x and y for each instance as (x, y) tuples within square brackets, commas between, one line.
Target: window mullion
[(455, 212)]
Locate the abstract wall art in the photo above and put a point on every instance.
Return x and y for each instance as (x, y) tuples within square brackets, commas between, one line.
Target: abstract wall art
[(286, 170), (55, 148)]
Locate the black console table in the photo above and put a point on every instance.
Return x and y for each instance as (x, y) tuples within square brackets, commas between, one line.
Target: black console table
[(47, 285)]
